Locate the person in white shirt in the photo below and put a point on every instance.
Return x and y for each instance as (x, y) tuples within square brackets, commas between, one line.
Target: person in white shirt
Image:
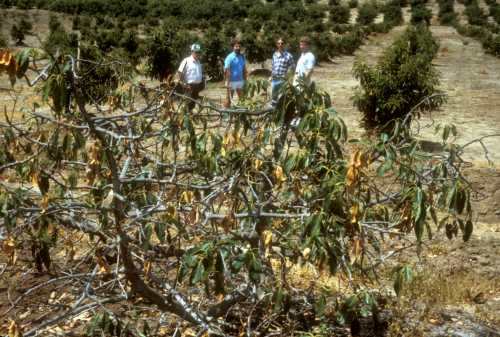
[(305, 64), (190, 74)]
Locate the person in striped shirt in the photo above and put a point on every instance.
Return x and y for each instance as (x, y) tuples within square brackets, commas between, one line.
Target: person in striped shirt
[(282, 63)]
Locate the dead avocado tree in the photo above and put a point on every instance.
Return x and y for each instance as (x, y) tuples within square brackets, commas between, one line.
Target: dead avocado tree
[(201, 216)]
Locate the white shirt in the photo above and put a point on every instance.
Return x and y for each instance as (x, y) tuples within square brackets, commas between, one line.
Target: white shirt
[(305, 64), (191, 70)]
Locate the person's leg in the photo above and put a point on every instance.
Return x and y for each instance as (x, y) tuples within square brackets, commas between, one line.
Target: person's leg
[(195, 95), (189, 93), (275, 87)]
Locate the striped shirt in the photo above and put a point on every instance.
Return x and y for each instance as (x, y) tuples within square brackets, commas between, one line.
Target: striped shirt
[(282, 62)]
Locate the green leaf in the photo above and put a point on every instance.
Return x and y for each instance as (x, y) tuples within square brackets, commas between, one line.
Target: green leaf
[(404, 275), (320, 306), (160, 231), (199, 273), (278, 297)]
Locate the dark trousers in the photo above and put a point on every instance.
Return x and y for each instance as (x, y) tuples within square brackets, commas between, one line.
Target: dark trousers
[(193, 91)]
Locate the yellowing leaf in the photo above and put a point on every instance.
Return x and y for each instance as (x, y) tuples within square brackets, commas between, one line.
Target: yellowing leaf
[(351, 176), (257, 163), (14, 330), (147, 269), (9, 247), (355, 251), (259, 137), (34, 179), (5, 57), (306, 252), (354, 213), (187, 196), (227, 140), (237, 138), (278, 174), (44, 204), (267, 237), (172, 211)]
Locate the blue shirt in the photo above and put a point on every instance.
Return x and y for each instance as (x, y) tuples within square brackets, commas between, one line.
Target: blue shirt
[(236, 65)]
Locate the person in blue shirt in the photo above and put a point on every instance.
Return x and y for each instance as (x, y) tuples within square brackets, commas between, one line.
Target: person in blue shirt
[(235, 72)]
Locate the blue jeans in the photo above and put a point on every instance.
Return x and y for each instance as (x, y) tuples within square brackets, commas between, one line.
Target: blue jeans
[(275, 88)]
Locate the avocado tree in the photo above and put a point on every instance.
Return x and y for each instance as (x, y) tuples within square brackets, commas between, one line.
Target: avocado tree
[(141, 209)]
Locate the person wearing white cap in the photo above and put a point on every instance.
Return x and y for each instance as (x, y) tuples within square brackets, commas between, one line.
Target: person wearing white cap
[(190, 74)]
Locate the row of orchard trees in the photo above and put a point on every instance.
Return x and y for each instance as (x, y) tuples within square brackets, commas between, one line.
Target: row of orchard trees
[(202, 215), (163, 30), (478, 25)]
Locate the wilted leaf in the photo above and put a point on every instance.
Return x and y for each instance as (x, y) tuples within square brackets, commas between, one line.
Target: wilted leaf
[(14, 330), (257, 163), (278, 174), (9, 248)]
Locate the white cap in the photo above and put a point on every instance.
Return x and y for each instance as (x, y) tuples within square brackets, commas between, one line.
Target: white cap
[(195, 47)]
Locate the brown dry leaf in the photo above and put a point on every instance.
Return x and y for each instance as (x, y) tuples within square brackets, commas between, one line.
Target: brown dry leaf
[(14, 330), (355, 251), (189, 333), (193, 216), (113, 102), (259, 137), (9, 247), (103, 264), (228, 222), (147, 270)]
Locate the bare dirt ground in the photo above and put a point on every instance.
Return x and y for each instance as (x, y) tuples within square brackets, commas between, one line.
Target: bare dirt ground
[(462, 279)]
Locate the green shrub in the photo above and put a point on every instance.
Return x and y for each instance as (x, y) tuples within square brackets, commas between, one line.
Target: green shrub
[(353, 3), (214, 50), (20, 29), (492, 44), (340, 14), (448, 19), (495, 12), (475, 14), (3, 41), (348, 43), (393, 15), (402, 78), (420, 14), (367, 13), (341, 28), (58, 39)]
